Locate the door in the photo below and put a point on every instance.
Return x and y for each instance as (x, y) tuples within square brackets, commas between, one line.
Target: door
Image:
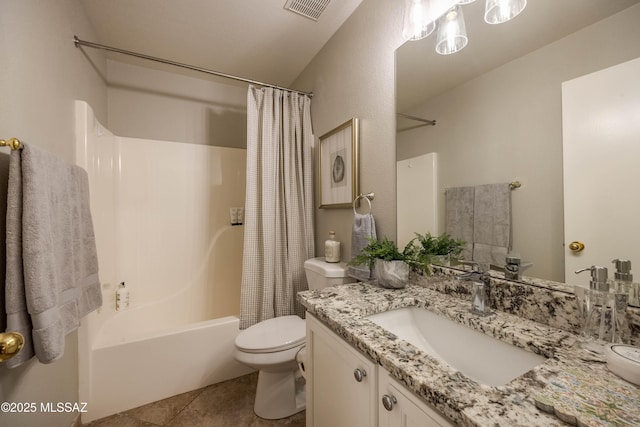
[(398, 407), (341, 383), (417, 197), (601, 162)]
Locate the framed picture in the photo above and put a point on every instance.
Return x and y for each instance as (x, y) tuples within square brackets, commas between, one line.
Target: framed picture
[(339, 166)]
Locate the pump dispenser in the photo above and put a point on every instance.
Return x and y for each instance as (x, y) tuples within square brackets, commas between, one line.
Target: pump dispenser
[(599, 277), (596, 306), (332, 248), (623, 281), (122, 297), (625, 292), (623, 270)]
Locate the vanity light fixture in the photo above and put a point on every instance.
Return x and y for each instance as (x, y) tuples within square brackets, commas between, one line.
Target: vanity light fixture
[(499, 11), (420, 17), (417, 24), (452, 33)]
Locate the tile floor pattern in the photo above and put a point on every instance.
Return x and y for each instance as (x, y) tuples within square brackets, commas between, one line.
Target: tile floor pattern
[(227, 404)]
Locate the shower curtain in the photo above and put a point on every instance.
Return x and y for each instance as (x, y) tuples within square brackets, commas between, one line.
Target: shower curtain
[(279, 233)]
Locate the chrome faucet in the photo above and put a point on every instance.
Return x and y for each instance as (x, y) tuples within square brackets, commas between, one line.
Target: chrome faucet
[(514, 267), (481, 292)]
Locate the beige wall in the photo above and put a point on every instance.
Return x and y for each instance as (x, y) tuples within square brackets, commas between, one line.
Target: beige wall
[(41, 73), (507, 124), (353, 76), (156, 104)]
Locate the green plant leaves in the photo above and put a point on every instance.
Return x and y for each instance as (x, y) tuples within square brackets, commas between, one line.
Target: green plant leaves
[(419, 253)]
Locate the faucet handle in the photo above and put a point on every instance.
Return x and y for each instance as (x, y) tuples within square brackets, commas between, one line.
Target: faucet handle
[(513, 259), (477, 266)]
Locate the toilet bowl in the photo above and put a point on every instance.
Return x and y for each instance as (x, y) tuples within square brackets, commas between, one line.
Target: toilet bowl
[(271, 347)]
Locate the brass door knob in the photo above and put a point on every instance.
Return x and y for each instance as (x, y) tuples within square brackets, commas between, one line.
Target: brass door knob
[(576, 246), (10, 344)]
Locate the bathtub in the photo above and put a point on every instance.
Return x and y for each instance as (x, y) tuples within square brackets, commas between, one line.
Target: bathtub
[(140, 370), (161, 218)]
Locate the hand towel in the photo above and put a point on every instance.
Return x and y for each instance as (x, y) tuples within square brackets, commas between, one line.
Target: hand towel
[(52, 264), (492, 223), (459, 217), (364, 228), (4, 181)]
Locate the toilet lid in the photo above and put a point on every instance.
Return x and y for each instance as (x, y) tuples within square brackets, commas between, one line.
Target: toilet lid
[(268, 336)]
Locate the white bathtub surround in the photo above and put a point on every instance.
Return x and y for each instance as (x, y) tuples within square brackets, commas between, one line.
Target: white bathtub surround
[(279, 235), (160, 212)]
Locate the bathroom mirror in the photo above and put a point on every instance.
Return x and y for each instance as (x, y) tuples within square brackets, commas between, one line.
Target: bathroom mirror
[(498, 111)]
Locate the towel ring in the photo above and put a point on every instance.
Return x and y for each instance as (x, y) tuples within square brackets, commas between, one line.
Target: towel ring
[(368, 197)]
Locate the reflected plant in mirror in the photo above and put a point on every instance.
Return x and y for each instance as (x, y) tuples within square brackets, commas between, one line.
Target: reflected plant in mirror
[(500, 110), (437, 250)]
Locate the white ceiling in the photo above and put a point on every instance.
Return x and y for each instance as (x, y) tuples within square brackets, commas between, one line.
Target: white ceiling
[(421, 73), (260, 40), (255, 39)]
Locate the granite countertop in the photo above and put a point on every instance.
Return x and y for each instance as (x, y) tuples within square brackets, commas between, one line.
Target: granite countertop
[(464, 401)]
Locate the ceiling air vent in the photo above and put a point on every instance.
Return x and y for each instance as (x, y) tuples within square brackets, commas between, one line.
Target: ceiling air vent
[(311, 9)]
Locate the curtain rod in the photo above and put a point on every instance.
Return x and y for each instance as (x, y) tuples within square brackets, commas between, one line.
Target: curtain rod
[(79, 43), (429, 122)]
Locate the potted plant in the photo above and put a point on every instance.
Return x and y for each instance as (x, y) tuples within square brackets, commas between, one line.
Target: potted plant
[(390, 265), (436, 249)]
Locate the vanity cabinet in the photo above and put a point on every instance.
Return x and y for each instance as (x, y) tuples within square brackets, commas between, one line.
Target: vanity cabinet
[(399, 407), (346, 389), (341, 382)]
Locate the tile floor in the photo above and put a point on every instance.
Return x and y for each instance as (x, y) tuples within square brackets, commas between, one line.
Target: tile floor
[(220, 405)]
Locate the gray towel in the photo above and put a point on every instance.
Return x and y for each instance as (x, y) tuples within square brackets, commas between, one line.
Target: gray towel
[(492, 223), (459, 217), (52, 265), (364, 227), (4, 182)]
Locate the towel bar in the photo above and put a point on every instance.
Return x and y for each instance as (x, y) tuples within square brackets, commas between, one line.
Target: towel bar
[(368, 197), (14, 143), (10, 344)]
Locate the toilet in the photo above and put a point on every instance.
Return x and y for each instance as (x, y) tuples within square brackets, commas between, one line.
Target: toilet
[(271, 347)]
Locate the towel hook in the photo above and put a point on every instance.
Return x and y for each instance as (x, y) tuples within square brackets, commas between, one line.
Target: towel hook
[(368, 197)]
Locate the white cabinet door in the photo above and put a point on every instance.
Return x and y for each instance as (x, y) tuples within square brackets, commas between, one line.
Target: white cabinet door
[(405, 409), (335, 397)]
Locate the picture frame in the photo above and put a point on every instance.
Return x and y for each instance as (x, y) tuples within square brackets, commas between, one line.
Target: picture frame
[(338, 166)]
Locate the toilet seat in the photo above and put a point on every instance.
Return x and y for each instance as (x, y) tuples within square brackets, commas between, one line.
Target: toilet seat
[(272, 335)]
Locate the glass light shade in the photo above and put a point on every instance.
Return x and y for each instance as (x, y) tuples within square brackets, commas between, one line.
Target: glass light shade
[(452, 33), (416, 24), (499, 11)]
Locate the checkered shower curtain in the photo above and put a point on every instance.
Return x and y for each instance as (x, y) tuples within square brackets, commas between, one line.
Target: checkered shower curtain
[(279, 233)]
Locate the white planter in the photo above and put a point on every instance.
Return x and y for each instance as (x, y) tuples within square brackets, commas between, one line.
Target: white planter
[(392, 274)]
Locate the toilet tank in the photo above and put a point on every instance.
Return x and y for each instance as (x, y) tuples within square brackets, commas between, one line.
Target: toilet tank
[(321, 274)]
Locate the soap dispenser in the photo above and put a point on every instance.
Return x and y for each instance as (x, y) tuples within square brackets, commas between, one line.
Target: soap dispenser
[(622, 277), (332, 248), (624, 292), (597, 314), (623, 281)]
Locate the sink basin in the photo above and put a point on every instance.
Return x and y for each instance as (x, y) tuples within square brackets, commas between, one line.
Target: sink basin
[(480, 357)]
